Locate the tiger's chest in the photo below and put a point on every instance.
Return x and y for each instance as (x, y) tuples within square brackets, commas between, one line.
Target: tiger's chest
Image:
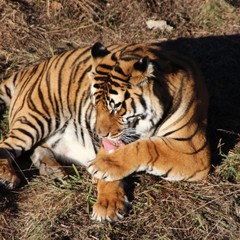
[(74, 145)]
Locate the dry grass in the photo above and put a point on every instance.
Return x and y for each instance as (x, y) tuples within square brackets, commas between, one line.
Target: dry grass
[(161, 210), (209, 30)]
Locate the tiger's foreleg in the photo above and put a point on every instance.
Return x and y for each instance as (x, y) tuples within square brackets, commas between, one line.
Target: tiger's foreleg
[(43, 158), (168, 158), (111, 203)]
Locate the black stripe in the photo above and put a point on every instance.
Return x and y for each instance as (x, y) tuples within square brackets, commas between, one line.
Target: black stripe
[(101, 78), (106, 66), (15, 78), (32, 73), (112, 91), (199, 149), (186, 138), (150, 155), (40, 124), (101, 72), (142, 101), (10, 150), (53, 145), (75, 128), (174, 109), (115, 84), (113, 57), (77, 105), (58, 58), (26, 133), (21, 92), (81, 54), (155, 149), (49, 90), (133, 105), (82, 136), (8, 91), (9, 145), (126, 95), (190, 103), (196, 172), (42, 101), (32, 106), (18, 138), (80, 115), (165, 175), (119, 70), (165, 141), (60, 79), (97, 85), (184, 125), (24, 121), (117, 78), (57, 113)]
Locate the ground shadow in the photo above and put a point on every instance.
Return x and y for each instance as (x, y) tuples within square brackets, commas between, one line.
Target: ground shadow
[(219, 59), (8, 200)]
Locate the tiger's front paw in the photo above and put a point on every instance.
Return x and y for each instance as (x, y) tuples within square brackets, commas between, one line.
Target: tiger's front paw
[(110, 207), (105, 168), (8, 176)]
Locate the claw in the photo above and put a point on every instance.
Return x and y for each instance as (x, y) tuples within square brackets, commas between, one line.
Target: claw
[(89, 163), (120, 216), (94, 216), (105, 175)]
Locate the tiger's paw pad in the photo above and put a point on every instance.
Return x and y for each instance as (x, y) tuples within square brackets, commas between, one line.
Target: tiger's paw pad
[(53, 172), (8, 177), (110, 209)]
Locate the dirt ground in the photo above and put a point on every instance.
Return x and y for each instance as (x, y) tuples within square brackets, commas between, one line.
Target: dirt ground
[(209, 31)]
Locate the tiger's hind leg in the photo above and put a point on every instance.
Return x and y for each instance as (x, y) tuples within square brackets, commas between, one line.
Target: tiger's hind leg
[(8, 176), (44, 159), (22, 136)]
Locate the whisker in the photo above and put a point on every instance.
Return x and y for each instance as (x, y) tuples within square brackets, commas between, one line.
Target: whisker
[(129, 135)]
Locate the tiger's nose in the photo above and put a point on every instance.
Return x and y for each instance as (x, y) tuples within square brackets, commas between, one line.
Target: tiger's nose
[(103, 134)]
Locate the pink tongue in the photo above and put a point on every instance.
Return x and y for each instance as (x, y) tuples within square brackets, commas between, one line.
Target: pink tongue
[(108, 145)]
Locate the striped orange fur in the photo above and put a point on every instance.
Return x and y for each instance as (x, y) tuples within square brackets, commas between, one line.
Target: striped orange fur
[(150, 100)]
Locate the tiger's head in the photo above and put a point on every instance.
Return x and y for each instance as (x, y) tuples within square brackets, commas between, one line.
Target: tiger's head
[(123, 92)]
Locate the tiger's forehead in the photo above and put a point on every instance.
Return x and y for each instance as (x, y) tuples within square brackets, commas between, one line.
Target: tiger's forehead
[(125, 56), (116, 67)]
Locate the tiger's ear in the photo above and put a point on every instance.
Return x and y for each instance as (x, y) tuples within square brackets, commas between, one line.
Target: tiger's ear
[(99, 51), (143, 70)]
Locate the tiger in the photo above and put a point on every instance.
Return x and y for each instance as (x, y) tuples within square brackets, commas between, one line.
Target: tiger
[(115, 110)]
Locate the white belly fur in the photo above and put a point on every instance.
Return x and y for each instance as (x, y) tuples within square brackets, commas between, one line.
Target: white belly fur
[(71, 149)]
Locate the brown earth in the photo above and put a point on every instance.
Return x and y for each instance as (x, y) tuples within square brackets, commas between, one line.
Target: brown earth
[(208, 30)]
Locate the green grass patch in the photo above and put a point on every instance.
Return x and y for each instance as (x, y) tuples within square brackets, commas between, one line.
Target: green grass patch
[(230, 166)]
